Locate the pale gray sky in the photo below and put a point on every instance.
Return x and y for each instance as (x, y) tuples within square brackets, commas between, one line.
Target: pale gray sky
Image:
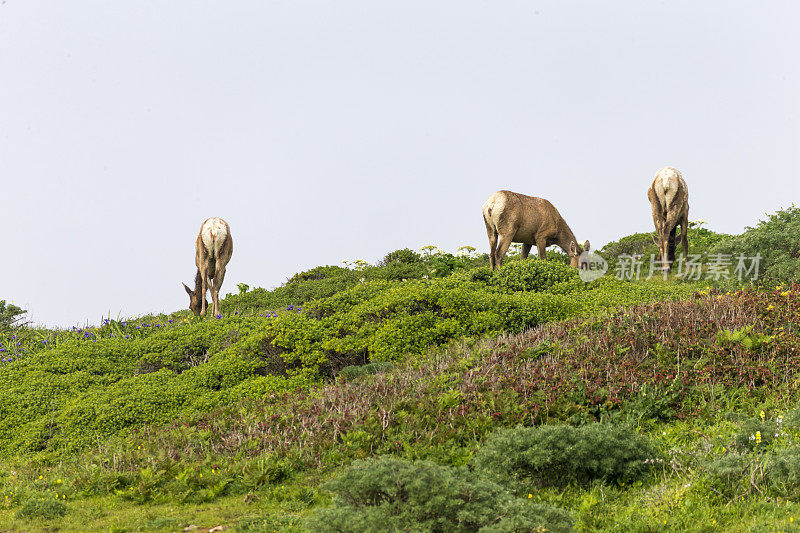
[(324, 131)]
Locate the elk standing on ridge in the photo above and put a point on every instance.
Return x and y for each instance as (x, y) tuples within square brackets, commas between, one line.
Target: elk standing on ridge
[(213, 250), (513, 217), (669, 199)]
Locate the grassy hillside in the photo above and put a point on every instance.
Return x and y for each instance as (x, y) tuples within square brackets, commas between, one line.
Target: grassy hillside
[(639, 405)]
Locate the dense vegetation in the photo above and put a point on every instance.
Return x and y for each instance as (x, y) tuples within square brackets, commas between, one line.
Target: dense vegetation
[(425, 391)]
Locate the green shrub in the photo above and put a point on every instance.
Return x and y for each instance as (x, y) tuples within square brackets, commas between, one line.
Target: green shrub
[(776, 475), (727, 476), (404, 255), (46, 508), (776, 239), (319, 273), (388, 494), (636, 244), (783, 474), (561, 455), (701, 241), (10, 316), (398, 271), (756, 434), (269, 524), (353, 371), (532, 275)]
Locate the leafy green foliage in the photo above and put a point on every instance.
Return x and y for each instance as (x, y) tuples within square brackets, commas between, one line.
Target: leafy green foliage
[(701, 242), (353, 371), (755, 434), (388, 494), (560, 455), (776, 239), (10, 315), (42, 508), (404, 255), (533, 276), (71, 391), (743, 336)]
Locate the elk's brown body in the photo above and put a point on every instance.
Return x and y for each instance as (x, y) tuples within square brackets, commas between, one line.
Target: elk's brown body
[(514, 217), (669, 201), (213, 250)]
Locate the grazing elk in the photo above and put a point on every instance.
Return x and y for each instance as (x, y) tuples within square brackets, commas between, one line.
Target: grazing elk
[(669, 200), (513, 217), (213, 250)]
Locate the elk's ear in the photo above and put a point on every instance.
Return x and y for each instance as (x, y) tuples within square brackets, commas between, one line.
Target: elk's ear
[(573, 248), (585, 246), (188, 290)]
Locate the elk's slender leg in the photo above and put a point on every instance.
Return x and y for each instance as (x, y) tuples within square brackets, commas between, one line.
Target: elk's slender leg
[(492, 243), (670, 226), (541, 247), (526, 249), (218, 279), (685, 236), (658, 220), (203, 288), (503, 242)]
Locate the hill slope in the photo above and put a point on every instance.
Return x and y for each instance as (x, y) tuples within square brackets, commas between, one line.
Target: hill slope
[(156, 423)]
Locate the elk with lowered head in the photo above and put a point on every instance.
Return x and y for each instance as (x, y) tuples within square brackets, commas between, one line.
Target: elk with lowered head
[(213, 250), (669, 200), (513, 217)]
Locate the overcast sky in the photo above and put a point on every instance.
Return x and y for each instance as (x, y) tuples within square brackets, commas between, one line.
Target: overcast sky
[(324, 131)]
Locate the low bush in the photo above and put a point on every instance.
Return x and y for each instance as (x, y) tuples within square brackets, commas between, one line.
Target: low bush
[(783, 474), (532, 275), (42, 508), (776, 474), (776, 240), (353, 371), (10, 316), (404, 255), (562, 455), (701, 242), (755, 434), (388, 494), (728, 476)]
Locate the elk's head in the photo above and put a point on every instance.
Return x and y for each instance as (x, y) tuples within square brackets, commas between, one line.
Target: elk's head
[(195, 300), (575, 251)]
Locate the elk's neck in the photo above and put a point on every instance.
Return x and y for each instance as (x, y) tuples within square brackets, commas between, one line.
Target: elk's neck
[(198, 283), (565, 237)]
